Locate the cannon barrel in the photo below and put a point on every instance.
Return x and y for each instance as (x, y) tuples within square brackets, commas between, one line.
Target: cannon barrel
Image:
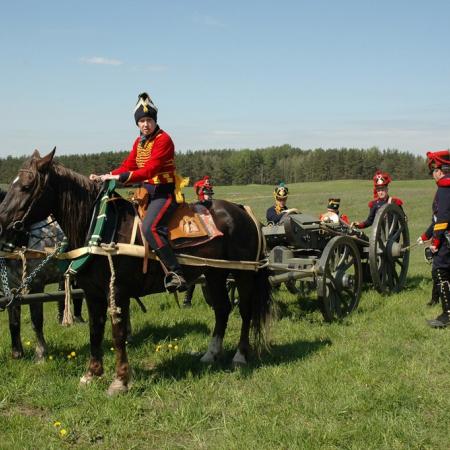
[(290, 276)]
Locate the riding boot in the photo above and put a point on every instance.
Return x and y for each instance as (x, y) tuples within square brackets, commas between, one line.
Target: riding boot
[(174, 280), (443, 320), (187, 301), (435, 290)]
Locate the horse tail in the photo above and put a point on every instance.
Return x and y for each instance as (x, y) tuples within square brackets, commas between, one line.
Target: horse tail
[(261, 310)]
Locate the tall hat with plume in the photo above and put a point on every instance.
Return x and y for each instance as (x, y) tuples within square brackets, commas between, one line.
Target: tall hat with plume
[(380, 180), (281, 191), (438, 160), (145, 108)]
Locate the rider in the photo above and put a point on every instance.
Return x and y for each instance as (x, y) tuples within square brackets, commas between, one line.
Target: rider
[(439, 165), (333, 215), (381, 181), (151, 162), (275, 213), (204, 191)]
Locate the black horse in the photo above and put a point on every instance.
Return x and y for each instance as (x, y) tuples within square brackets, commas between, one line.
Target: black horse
[(45, 187)]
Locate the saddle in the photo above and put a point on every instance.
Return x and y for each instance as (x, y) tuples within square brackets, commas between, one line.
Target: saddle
[(190, 224)]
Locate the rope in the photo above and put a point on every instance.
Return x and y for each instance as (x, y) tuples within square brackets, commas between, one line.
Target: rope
[(67, 316), (114, 311), (25, 290)]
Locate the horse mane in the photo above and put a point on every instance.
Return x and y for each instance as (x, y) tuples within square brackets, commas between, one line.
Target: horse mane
[(76, 196)]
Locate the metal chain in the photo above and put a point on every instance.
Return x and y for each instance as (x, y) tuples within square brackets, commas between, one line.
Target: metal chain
[(12, 294), (4, 278)]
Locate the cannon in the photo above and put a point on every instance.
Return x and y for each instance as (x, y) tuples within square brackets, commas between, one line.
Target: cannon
[(336, 259)]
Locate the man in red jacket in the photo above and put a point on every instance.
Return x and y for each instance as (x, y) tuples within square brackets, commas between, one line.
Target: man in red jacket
[(151, 162), (381, 182)]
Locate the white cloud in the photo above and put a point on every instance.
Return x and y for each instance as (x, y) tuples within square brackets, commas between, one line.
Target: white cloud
[(100, 60)]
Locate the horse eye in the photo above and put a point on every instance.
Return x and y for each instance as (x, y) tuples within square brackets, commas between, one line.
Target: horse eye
[(26, 187)]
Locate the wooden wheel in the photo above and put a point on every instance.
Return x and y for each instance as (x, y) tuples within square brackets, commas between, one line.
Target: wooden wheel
[(339, 278), (389, 249)]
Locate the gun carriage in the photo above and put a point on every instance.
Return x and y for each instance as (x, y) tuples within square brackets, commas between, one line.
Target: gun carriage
[(336, 259)]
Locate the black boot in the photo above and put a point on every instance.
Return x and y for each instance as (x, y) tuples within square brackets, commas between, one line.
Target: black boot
[(187, 301), (174, 280), (443, 320), (435, 290)]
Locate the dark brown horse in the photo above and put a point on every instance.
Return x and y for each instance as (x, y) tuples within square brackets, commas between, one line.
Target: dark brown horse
[(45, 187)]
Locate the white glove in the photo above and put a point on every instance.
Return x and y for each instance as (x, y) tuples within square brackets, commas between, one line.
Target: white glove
[(420, 240)]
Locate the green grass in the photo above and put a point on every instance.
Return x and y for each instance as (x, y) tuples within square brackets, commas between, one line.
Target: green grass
[(379, 380)]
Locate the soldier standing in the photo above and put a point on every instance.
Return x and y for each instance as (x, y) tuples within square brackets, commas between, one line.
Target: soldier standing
[(439, 164), (381, 182)]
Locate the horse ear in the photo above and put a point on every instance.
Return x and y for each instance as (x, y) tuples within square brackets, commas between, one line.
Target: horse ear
[(36, 154), (45, 161)]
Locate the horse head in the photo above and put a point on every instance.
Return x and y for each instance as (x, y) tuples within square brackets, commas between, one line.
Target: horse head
[(28, 199)]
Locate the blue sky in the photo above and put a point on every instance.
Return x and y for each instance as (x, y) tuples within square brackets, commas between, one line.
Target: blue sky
[(225, 74)]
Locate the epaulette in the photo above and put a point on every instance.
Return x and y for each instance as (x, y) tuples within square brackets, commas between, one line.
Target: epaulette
[(397, 201), (371, 203), (444, 182)]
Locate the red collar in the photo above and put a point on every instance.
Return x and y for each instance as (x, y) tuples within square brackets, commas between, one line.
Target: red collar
[(444, 181)]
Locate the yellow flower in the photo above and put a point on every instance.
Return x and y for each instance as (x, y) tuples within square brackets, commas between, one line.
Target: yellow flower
[(112, 349), (57, 424), (158, 348), (62, 432), (50, 358), (73, 354), (170, 345), (27, 343), (69, 356), (176, 347)]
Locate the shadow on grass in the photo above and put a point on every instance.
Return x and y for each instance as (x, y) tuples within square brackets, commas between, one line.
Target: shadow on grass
[(185, 365)]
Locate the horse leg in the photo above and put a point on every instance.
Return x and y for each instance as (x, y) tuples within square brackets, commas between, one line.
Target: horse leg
[(217, 293), (119, 332), (37, 321), (14, 330), (245, 285), (97, 318)]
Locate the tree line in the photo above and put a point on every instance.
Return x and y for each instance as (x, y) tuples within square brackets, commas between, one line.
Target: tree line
[(261, 166)]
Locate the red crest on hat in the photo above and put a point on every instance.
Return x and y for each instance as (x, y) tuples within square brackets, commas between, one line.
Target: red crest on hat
[(381, 179), (435, 160)]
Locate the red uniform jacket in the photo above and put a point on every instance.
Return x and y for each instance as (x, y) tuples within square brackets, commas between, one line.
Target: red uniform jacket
[(151, 163)]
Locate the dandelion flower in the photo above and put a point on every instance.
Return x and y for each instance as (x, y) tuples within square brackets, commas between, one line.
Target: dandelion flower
[(50, 358), (176, 347), (69, 356), (112, 349), (27, 343), (63, 432), (73, 354), (57, 424), (170, 345)]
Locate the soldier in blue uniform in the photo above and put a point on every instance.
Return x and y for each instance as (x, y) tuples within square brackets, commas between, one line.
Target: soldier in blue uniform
[(381, 182), (439, 164), (278, 211)]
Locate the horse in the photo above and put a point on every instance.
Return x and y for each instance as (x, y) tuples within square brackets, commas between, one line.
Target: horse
[(43, 186), (41, 236)]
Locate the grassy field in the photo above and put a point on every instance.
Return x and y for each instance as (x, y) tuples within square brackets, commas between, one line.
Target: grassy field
[(379, 380)]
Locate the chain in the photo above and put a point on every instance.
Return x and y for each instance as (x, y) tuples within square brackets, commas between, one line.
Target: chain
[(4, 278), (13, 294)]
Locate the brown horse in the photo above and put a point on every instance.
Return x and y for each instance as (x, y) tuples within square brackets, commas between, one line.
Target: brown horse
[(45, 187)]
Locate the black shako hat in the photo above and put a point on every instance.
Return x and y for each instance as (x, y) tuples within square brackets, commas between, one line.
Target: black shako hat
[(333, 203), (145, 108)]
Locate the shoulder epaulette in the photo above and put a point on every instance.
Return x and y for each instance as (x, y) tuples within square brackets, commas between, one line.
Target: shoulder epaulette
[(397, 201), (371, 203)]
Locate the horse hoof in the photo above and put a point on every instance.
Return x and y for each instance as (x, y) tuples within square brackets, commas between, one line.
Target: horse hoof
[(209, 358), (117, 387), (17, 354), (86, 379), (239, 360)]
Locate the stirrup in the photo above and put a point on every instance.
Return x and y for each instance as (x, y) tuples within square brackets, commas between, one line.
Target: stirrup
[(175, 282)]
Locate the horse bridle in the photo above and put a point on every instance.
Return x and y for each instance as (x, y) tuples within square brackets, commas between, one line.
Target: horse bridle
[(19, 225)]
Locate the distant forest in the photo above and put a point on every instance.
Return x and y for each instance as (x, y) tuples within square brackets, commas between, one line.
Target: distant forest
[(261, 166)]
